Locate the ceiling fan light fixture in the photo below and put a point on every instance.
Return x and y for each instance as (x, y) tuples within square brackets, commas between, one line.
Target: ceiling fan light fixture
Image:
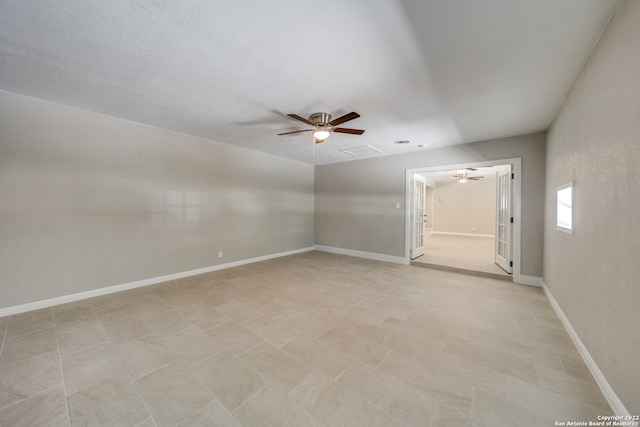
[(462, 180), (321, 134)]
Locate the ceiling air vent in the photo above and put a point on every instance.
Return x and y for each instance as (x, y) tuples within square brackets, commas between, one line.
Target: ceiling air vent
[(363, 150)]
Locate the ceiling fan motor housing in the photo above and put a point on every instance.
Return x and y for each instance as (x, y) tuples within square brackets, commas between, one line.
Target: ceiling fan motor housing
[(320, 119)]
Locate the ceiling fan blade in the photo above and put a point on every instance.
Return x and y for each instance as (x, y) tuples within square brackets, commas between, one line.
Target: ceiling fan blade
[(348, 130), (475, 178), (345, 118), (295, 131), (302, 119), (472, 169)]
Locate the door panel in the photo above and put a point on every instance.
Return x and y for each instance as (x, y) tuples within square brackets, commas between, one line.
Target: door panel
[(417, 217), (503, 220)]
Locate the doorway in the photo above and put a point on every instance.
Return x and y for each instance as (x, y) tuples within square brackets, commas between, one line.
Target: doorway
[(471, 244)]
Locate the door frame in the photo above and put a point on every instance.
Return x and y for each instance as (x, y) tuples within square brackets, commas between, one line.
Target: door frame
[(516, 168)]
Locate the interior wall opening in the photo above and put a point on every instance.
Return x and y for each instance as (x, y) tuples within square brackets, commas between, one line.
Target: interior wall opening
[(462, 209)]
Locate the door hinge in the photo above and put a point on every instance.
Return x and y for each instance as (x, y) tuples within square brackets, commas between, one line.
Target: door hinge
[(510, 263), (513, 175), (511, 220)]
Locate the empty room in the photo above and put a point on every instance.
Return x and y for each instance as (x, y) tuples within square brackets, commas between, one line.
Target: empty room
[(225, 213)]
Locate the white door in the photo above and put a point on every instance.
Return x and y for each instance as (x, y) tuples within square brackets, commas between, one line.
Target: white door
[(417, 217), (504, 219)]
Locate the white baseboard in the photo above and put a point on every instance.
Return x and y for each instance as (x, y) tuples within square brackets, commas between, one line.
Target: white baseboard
[(463, 234), (138, 284), (528, 280), (609, 394), (361, 254)]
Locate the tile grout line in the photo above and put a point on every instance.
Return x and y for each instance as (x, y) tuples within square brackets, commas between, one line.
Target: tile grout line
[(250, 348), (267, 382), (34, 395), (337, 378), (363, 397), (126, 369), (4, 337), (24, 333), (84, 348), (64, 385)]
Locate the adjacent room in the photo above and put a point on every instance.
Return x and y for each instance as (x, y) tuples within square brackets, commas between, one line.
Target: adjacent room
[(458, 212), (219, 213)]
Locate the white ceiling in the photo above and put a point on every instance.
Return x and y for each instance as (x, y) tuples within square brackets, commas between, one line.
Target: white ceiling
[(436, 72)]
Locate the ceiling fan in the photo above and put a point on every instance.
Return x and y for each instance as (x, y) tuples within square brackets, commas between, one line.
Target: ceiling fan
[(462, 175), (323, 125)]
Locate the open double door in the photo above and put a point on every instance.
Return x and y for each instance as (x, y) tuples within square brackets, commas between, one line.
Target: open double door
[(504, 218)]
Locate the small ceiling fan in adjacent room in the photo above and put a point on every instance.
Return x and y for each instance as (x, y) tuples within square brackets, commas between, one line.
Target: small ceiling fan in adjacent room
[(323, 125), (462, 175)]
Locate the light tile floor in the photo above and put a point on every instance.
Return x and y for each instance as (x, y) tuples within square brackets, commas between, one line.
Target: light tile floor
[(308, 340), (469, 253)]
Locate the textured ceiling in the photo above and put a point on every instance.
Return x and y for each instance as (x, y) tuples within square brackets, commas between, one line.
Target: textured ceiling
[(436, 72)]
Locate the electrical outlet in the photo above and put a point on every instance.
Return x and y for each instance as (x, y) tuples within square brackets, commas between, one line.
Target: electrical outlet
[(219, 254)]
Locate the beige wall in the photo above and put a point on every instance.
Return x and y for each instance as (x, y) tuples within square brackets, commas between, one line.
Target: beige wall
[(428, 207), (89, 201), (356, 201), (595, 141), (468, 208)]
